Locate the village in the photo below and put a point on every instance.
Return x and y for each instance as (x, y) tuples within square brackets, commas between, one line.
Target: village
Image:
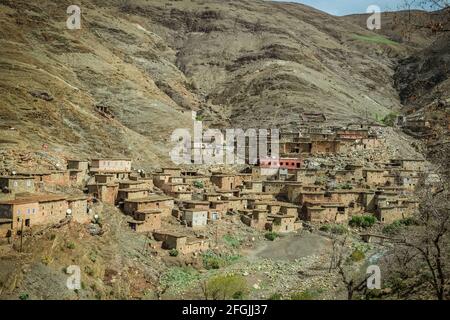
[(174, 204)]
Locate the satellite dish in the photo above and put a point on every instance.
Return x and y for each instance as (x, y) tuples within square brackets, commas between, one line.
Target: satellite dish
[(13, 173), (96, 216), (69, 212)]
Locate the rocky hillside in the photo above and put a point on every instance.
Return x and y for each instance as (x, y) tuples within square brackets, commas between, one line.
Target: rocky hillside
[(239, 63)]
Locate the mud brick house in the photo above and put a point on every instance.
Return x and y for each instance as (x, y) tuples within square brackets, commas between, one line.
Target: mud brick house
[(120, 167), (146, 220), (217, 209), (181, 243), (352, 134), (105, 192), (256, 186), (356, 169), (345, 176), (306, 196), (34, 210), (289, 210), (235, 203), (308, 176), (174, 187), (147, 182), (6, 228), (317, 211), (17, 184), (160, 179), (163, 203), (407, 180), (78, 206), (175, 172), (274, 207), (195, 218), (224, 181), (58, 178), (390, 207), (131, 193), (284, 224), (181, 195), (353, 198), (130, 184), (78, 164), (76, 177), (228, 193), (319, 147), (257, 219), (276, 186), (409, 164), (176, 179), (111, 165), (375, 177), (105, 178), (211, 196), (193, 180), (196, 204)]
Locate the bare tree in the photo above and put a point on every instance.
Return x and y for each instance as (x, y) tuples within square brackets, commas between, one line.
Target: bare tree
[(340, 260), (437, 21), (422, 258)]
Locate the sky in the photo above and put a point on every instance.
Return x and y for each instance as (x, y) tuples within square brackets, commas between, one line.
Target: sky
[(344, 7)]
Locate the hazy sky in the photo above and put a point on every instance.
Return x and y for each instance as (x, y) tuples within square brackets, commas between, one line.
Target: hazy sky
[(343, 7)]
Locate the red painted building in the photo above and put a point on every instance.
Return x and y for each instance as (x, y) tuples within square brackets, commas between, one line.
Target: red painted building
[(282, 163)]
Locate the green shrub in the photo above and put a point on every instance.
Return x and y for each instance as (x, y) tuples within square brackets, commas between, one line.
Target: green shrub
[(334, 228), (226, 287), (213, 260), (24, 296), (397, 226), (357, 255), (70, 245), (364, 221), (275, 296), (232, 241), (389, 119), (199, 184), (179, 277), (173, 252), (271, 236), (308, 294)]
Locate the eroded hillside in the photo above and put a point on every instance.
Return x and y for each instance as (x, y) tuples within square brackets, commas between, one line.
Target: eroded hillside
[(245, 63)]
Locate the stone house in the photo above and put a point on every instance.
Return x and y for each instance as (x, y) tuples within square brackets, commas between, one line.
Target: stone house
[(146, 220), (283, 224), (131, 193), (112, 165), (17, 184), (195, 218), (175, 172), (105, 178), (78, 206), (105, 192), (34, 210), (163, 203), (181, 243)]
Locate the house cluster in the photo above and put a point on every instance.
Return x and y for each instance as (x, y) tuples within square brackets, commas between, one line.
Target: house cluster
[(275, 195)]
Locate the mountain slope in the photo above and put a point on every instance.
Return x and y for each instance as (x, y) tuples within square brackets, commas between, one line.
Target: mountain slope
[(241, 63)]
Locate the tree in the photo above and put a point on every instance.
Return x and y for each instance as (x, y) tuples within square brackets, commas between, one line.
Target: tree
[(437, 21), (421, 259), (341, 260)]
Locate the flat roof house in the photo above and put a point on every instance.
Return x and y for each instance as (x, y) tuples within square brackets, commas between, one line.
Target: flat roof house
[(17, 184)]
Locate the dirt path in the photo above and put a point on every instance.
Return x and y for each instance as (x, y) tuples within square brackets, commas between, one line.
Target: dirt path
[(291, 247)]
